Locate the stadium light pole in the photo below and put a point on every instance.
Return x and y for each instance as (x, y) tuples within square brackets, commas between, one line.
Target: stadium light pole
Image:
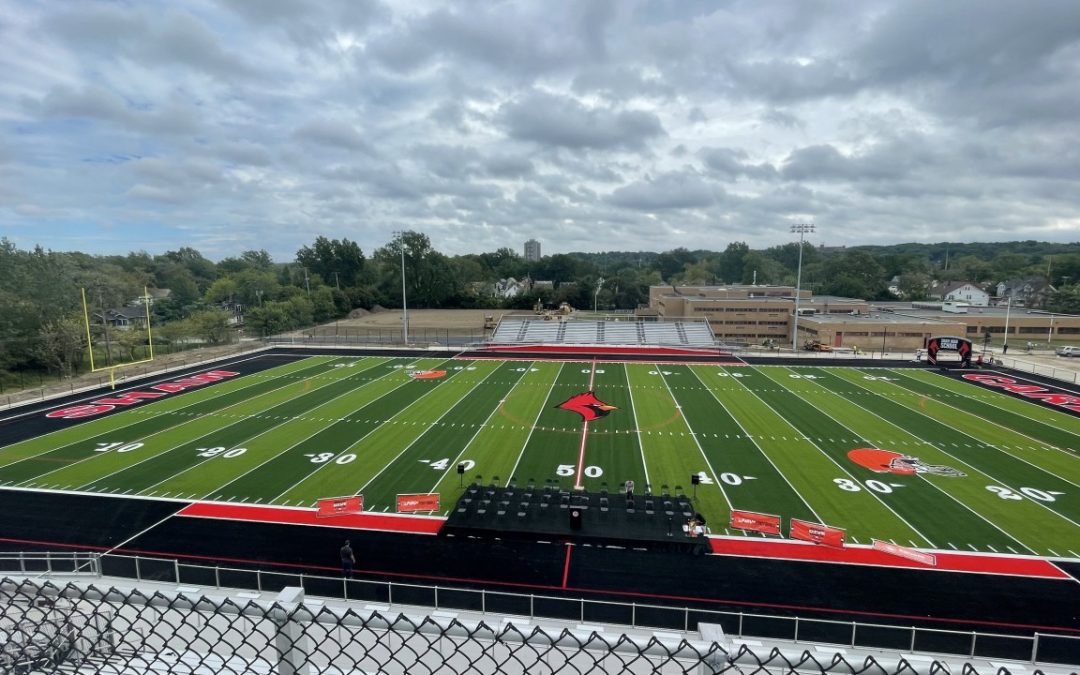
[(596, 294), (1008, 310), (802, 229), (404, 305)]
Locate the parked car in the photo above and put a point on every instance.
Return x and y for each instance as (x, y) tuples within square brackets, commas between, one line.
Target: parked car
[(1068, 351)]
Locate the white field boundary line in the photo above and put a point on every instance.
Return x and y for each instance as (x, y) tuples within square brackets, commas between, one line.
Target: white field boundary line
[(525, 445), (150, 436), (248, 439), (997, 447), (429, 428), (1005, 448), (1002, 483), (165, 376), (637, 426), (715, 476), (162, 431), (137, 410), (933, 445), (483, 425), (292, 447), (831, 459), (584, 434), (750, 437)]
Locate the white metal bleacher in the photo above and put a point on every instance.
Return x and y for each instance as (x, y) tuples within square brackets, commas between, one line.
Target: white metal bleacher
[(527, 330)]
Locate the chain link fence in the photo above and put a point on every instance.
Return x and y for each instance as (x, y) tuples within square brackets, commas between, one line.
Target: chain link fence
[(86, 625)]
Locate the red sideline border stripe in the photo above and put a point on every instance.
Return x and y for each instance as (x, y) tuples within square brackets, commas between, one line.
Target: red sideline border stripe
[(390, 522), (737, 546), (1021, 566)]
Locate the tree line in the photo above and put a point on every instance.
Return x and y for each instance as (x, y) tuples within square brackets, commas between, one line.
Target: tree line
[(42, 326)]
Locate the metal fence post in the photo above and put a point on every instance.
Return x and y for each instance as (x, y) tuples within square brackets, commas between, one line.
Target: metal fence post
[(796, 638), (974, 636), (854, 627), (291, 639), (176, 568), (912, 639), (1035, 648), (138, 574)]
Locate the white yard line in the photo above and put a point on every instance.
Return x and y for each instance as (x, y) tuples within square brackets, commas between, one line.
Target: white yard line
[(838, 465)]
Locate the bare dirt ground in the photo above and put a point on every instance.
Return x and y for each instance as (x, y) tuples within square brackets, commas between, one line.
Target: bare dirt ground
[(427, 318)]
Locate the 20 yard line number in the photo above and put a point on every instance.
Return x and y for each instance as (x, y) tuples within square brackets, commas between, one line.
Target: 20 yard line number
[(1036, 494)]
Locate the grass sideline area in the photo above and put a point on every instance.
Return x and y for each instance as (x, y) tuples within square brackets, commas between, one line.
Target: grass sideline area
[(993, 473)]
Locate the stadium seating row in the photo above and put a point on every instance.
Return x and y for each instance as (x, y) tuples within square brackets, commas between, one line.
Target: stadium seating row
[(512, 330)]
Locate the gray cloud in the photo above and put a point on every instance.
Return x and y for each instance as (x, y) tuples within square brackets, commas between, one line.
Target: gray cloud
[(333, 134), (225, 124), (563, 121), (680, 190)]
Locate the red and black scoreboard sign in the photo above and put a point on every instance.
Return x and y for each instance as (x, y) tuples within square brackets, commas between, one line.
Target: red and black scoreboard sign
[(961, 346)]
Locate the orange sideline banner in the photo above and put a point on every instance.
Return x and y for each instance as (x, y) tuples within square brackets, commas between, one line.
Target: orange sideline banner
[(419, 502), (905, 552), (339, 506), (817, 533), (758, 522)]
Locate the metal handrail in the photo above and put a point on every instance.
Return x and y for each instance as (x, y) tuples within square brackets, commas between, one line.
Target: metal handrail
[(735, 626)]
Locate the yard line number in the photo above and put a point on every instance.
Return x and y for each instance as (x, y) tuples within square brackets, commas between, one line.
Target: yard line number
[(119, 446), (848, 485), (1031, 493), (220, 451), (570, 470)]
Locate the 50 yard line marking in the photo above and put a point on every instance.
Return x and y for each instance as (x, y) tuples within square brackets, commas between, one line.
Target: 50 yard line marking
[(584, 433)]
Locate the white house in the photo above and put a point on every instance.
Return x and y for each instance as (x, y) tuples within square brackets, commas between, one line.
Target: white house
[(966, 292)]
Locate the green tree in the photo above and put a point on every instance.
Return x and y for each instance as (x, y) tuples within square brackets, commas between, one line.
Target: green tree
[(212, 325), (338, 262), (732, 262), (61, 344)]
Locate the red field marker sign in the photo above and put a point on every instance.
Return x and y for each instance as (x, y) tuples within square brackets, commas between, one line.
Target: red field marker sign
[(758, 522), (340, 506), (418, 502), (817, 533), (905, 552)]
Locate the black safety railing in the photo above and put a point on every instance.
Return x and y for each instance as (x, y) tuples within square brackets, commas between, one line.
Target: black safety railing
[(1040, 648)]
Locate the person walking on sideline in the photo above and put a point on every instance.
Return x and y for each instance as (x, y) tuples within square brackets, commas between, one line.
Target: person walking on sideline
[(347, 560)]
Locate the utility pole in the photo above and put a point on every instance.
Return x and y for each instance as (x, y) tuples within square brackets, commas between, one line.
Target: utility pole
[(802, 229), (307, 282)]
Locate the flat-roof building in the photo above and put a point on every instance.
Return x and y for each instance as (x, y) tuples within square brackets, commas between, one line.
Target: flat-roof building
[(753, 314)]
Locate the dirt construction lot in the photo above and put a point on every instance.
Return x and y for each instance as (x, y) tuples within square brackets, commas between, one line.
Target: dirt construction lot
[(467, 319)]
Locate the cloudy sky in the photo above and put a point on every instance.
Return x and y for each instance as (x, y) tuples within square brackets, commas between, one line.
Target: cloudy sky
[(591, 125)]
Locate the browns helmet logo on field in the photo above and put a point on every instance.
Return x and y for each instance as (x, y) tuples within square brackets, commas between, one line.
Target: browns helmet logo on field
[(887, 461)]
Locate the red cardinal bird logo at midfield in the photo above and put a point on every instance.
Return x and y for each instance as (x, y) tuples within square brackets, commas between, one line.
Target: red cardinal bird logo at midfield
[(587, 405)]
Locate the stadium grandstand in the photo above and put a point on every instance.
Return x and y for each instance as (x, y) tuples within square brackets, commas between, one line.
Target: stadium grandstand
[(517, 330)]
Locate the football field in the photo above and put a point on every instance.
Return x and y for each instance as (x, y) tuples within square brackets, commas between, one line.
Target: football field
[(905, 455)]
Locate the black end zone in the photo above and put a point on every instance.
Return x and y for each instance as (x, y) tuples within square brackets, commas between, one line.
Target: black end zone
[(531, 513)]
